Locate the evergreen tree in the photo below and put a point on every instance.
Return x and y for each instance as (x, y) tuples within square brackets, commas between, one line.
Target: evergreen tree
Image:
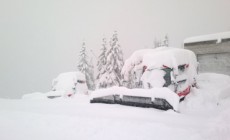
[(114, 63), (165, 41), (83, 63), (101, 66), (86, 68), (91, 78), (159, 43)]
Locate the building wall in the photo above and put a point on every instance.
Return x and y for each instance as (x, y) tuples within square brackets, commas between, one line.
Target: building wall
[(212, 56)]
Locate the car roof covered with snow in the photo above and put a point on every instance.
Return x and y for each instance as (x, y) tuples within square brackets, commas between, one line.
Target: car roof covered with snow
[(159, 57), (67, 80)]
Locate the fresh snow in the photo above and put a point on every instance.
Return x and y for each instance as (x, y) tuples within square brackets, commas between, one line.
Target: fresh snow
[(218, 37), (204, 115)]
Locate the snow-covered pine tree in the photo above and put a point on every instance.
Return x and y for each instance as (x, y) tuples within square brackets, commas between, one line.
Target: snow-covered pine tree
[(156, 43), (101, 66), (83, 63), (114, 63), (91, 81), (165, 41), (159, 43), (86, 68)]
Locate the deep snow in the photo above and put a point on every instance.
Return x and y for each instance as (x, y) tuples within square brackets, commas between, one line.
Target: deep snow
[(204, 114)]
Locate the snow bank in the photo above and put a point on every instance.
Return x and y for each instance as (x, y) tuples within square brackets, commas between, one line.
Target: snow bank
[(164, 93), (219, 128), (213, 91), (225, 93), (218, 37), (204, 115)]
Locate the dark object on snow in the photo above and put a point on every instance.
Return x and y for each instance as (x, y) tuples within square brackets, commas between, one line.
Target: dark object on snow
[(134, 101), (52, 97)]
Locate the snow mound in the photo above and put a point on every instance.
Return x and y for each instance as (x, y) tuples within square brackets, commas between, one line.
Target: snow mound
[(225, 93), (219, 129), (213, 92), (163, 93)]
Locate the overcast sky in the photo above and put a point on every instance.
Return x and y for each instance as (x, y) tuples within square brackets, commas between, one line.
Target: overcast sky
[(41, 38)]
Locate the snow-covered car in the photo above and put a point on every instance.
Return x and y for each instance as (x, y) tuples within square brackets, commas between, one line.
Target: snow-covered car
[(165, 73), (174, 68), (68, 84)]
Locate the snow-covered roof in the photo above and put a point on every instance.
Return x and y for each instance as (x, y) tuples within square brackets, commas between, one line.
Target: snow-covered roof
[(218, 37), (156, 58)]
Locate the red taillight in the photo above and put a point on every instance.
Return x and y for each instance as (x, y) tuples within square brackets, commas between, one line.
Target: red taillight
[(164, 66), (185, 92)]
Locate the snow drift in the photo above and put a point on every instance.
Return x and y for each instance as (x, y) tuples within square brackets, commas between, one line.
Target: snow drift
[(204, 115)]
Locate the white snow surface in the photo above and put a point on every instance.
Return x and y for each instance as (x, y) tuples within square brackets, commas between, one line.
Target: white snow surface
[(204, 115), (218, 37)]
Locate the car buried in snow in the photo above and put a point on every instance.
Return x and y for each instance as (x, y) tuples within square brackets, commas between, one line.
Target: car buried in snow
[(164, 67), (68, 84), (174, 68)]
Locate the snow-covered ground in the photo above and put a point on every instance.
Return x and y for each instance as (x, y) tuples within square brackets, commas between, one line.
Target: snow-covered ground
[(204, 115)]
